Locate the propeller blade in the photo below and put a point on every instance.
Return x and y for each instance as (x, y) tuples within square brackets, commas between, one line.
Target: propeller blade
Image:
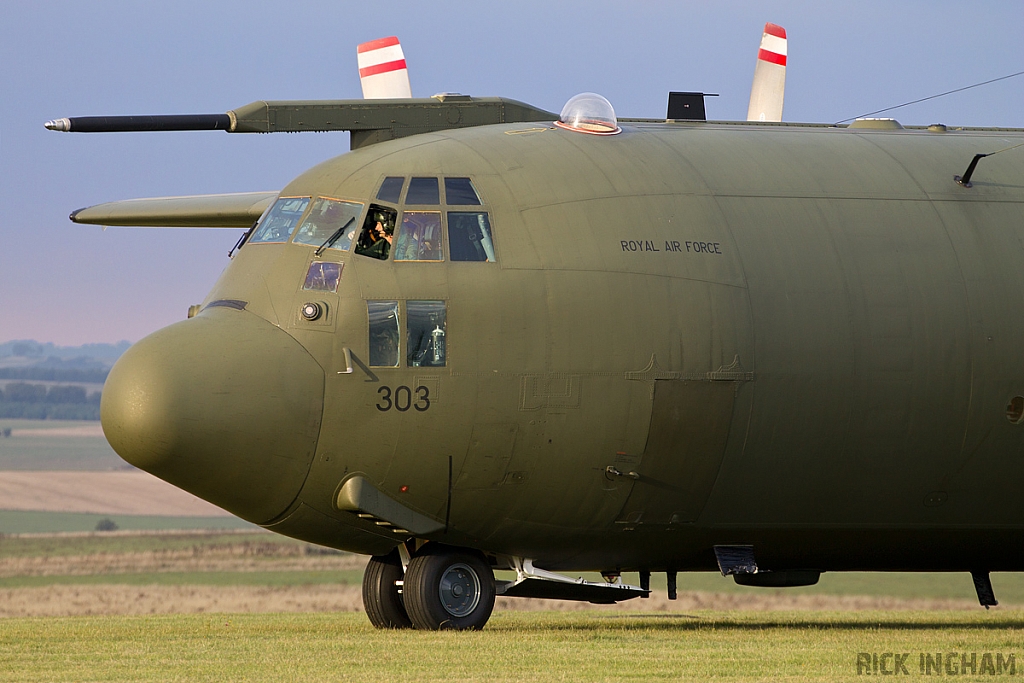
[(769, 87), (382, 70)]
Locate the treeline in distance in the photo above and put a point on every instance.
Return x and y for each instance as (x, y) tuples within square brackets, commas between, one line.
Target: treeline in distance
[(58, 402)]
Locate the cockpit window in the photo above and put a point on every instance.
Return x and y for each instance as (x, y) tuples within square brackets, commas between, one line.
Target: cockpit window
[(391, 189), (423, 191), (426, 324), (460, 192), (279, 222), (323, 276), (384, 337), (419, 238), (469, 236), (325, 218), (378, 228)]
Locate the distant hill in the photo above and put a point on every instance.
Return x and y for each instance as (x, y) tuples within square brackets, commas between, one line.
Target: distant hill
[(31, 352), (31, 360), (44, 381)]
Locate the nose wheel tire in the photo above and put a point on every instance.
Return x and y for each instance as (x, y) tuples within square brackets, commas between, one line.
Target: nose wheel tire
[(448, 588), (381, 598)]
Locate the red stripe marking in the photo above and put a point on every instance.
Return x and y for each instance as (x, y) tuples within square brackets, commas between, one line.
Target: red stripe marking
[(766, 56), (387, 42), (775, 30), (385, 68)]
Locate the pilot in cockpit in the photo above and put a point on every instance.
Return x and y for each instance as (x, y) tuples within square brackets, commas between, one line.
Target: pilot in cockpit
[(375, 241)]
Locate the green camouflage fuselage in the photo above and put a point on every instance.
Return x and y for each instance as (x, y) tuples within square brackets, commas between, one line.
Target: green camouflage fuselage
[(803, 339)]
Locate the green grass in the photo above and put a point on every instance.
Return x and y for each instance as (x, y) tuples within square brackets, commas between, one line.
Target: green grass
[(1008, 586), (18, 423), (198, 578), (77, 453), (514, 647), (35, 546), (25, 522)]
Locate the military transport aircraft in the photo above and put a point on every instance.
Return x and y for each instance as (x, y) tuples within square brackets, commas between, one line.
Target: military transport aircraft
[(493, 337)]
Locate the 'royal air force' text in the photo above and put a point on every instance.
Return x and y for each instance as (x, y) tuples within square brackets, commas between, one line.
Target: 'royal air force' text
[(709, 248)]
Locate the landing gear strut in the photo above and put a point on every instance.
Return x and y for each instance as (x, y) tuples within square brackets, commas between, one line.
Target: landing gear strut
[(448, 588), (381, 598)]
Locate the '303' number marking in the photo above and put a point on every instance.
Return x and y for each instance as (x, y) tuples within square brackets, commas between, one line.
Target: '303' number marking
[(402, 398)]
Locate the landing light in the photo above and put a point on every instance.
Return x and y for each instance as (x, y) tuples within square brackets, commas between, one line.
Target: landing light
[(589, 113), (311, 311)]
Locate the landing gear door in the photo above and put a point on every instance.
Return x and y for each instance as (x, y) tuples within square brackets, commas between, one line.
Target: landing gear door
[(689, 428)]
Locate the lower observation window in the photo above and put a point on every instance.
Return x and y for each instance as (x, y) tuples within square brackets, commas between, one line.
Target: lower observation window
[(323, 276), (384, 334), (426, 341), (469, 236)]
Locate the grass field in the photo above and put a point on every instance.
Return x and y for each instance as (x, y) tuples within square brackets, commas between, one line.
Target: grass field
[(243, 604), (56, 545), (15, 423), (199, 559), (41, 452), (515, 646), (289, 577), (30, 521)]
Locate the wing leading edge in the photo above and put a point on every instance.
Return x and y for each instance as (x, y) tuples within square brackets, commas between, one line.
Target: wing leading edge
[(238, 210)]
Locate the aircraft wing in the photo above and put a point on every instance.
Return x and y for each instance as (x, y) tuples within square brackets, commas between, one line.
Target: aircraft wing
[(239, 210), (369, 121)]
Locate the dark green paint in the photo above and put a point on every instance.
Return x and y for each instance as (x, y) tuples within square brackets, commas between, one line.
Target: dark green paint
[(827, 382)]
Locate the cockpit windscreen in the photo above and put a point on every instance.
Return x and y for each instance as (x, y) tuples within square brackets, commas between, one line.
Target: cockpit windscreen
[(279, 222), (325, 218)]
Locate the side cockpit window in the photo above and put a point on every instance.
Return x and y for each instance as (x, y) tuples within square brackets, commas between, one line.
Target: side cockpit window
[(280, 221), (469, 236), (384, 333), (460, 192), (423, 191), (426, 329), (330, 222), (391, 189), (429, 212), (377, 233), (425, 346), (419, 238)]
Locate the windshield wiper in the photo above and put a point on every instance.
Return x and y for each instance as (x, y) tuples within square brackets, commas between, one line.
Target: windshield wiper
[(333, 238), (243, 239)]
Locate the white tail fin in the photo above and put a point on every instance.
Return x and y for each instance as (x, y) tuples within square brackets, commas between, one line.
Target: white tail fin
[(382, 70), (769, 76)]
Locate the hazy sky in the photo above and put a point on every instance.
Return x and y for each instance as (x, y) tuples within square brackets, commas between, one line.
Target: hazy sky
[(72, 284)]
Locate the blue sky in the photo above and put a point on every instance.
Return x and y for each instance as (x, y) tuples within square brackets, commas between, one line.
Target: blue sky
[(73, 284)]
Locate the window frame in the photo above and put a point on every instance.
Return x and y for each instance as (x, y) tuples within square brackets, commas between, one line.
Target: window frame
[(441, 228), (445, 208), (360, 218), (294, 228), (402, 321)]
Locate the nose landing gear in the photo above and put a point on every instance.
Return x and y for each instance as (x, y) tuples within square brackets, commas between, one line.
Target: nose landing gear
[(444, 588)]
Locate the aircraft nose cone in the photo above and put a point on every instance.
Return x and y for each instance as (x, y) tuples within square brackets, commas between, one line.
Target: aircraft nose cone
[(224, 405)]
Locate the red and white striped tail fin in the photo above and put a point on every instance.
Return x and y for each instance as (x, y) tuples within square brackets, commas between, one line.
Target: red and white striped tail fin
[(769, 87), (382, 70)]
